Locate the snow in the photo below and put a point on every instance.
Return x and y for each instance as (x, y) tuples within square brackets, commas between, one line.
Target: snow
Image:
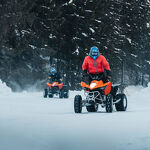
[(70, 1), (17, 32), (148, 25), (118, 49), (116, 52), (88, 11), (105, 47), (128, 25), (92, 39), (148, 2), (52, 36), (133, 55), (98, 21), (45, 57), (32, 46), (148, 62), (29, 66), (84, 34), (46, 7), (93, 31), (65, 4), (4, 90), (75, 15), (30, 122), (129, 40), (76, 51), (137, 65), (24, 32), (76, 38)]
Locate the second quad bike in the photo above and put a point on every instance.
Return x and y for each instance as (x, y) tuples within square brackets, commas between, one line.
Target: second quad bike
[(56, 88), (100, 93)]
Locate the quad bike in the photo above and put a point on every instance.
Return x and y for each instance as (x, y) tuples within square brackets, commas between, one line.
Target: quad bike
[(100, 93), (56, 88)]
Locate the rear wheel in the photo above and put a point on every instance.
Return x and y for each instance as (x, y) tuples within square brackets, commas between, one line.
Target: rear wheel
[(78, 104), (50, 95), (45, 93), (66, 94), (61, 94), (66, 91), (92, 108), (122, 104), (109, 103)]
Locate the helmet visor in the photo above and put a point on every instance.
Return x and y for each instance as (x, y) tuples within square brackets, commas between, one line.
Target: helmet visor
[(94, 53), (53, 71)]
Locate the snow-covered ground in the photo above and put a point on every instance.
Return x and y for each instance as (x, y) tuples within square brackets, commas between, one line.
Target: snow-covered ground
[(30, 122)]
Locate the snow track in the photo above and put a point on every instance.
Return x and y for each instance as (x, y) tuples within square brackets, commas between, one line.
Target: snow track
[(30, 122)]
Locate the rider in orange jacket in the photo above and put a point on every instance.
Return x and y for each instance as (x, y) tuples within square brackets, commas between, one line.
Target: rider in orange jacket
[(95, 64)]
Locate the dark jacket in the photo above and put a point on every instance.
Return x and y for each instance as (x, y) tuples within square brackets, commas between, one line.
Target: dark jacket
[(55, 78)]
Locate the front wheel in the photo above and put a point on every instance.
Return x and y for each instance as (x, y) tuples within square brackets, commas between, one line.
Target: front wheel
[(61, 94), (92, 108), (45, 93), (50, 95), (78, 104), (66, 91), (122, 104), (66, 94), (109, 103)]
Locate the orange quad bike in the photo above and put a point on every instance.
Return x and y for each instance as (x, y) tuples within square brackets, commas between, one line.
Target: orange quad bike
[(57, 89), (100, 93)]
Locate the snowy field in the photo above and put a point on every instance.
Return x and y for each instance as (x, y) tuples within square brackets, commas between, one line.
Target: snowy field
[(30, 122)]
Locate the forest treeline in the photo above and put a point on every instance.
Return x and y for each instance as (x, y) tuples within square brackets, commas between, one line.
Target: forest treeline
[(38, 34)]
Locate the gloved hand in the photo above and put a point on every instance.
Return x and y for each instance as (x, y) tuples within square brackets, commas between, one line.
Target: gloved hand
[(108, 75), (108, 72), (84, 74), (108, 78)]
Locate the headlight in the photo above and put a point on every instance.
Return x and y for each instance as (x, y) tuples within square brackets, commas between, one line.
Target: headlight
[(92, 85), (54, 84)]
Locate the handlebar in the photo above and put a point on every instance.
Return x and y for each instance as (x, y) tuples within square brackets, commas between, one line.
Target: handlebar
[(96, 76), (99, 77)]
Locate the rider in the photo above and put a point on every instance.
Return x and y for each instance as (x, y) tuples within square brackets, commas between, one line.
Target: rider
[(95, 64), (54, 76)]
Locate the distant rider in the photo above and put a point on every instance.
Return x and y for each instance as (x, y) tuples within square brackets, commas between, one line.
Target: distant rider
[(54, 76), (95, 64)]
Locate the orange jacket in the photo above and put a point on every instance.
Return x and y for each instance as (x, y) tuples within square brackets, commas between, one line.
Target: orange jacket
[(95, 66)]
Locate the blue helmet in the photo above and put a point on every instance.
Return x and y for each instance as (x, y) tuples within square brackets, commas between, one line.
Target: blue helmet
[(94, 52), (53, 71)]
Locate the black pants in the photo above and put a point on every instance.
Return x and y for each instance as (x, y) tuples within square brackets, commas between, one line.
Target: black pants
[(90, 77), (54, 80)]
